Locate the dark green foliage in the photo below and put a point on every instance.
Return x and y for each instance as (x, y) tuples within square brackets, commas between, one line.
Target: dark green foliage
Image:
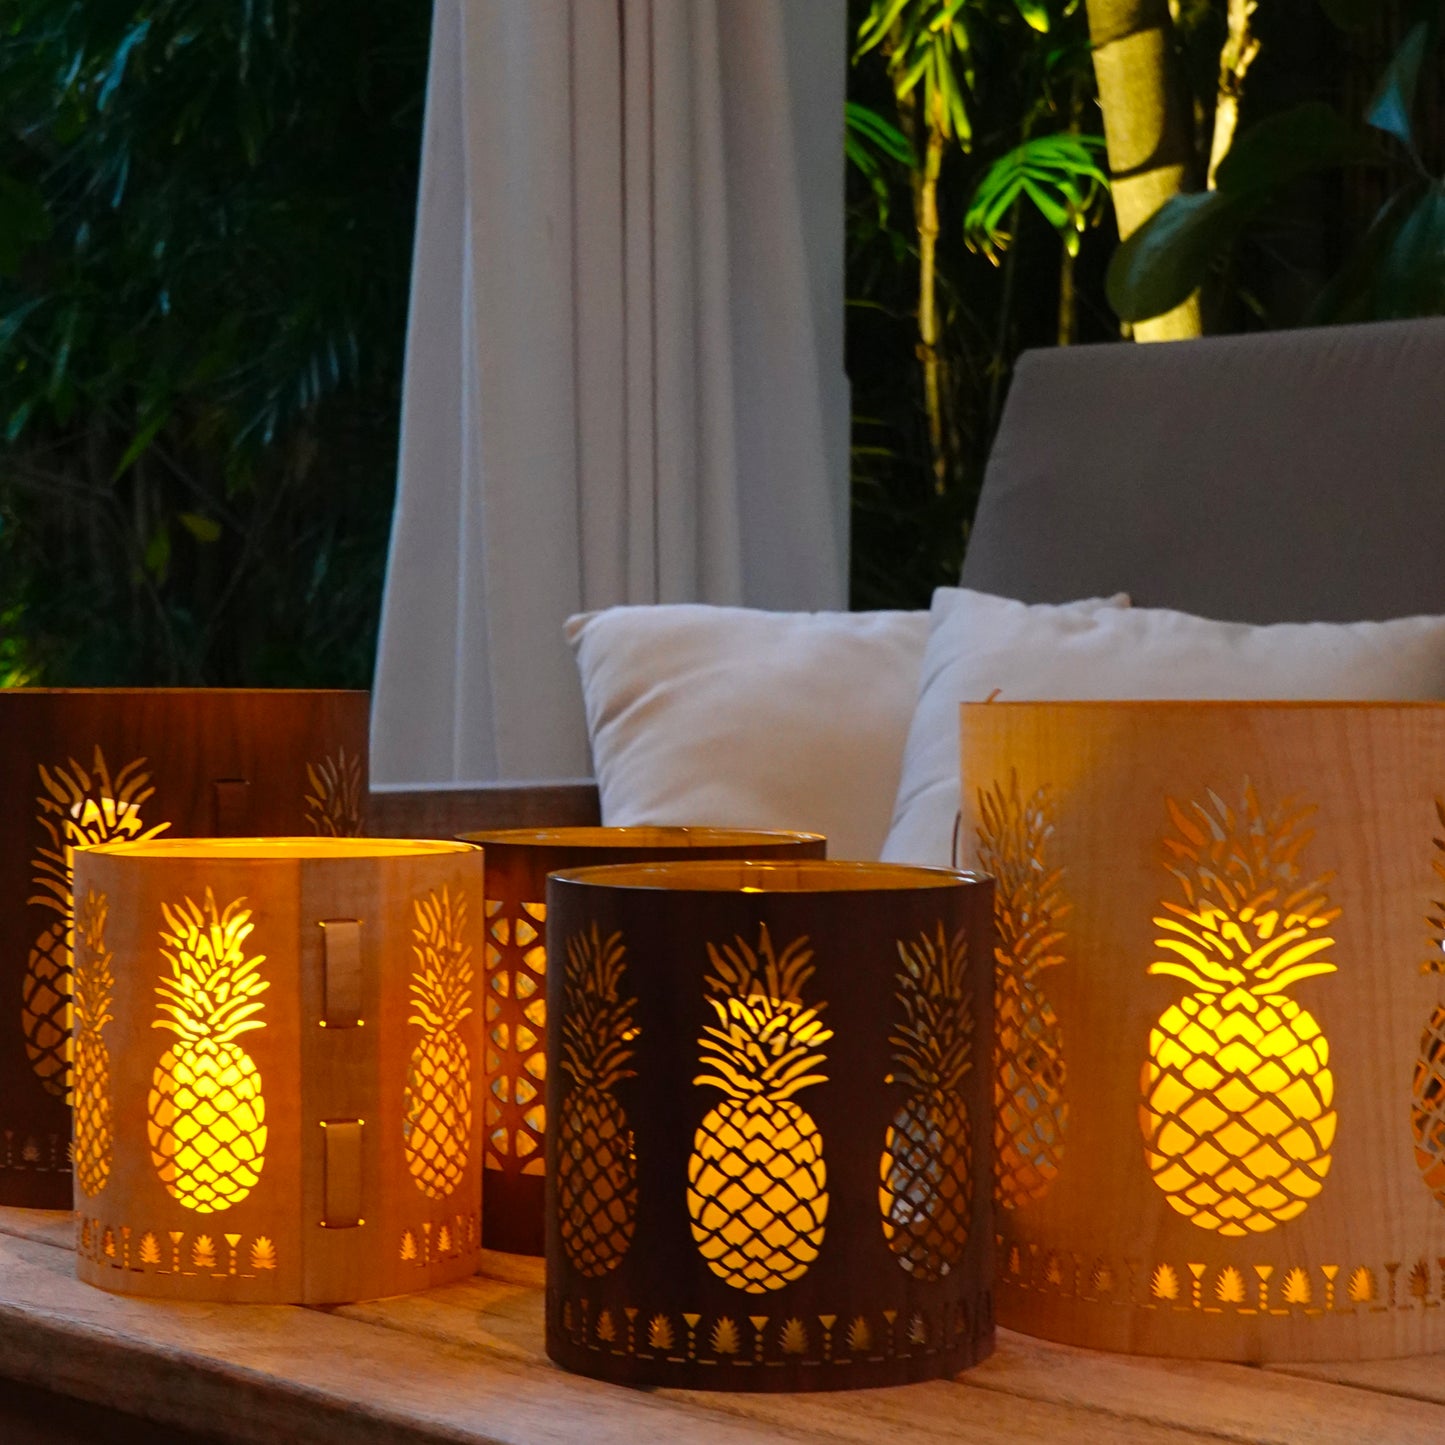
[(205, 230), (1396, 269), (1019, 190)]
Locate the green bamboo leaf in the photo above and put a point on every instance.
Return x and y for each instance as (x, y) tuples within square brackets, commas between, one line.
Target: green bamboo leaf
[(862, 122), (203, 529), (1035, 14), (138, 444)]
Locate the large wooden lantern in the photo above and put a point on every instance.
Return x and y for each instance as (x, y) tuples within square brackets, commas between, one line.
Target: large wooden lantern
[(518, 862), (275, 1045), (1220, 1059), (93, 766), (769, 1154)]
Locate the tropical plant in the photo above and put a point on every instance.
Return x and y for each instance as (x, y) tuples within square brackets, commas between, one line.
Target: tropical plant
[(1397, 268), (205, 226), (969, 123)]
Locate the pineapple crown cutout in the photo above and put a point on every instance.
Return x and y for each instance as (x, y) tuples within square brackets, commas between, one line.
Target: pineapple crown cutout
[(333, 806), (765, 1041), (80, 806), (598, 1028), (1247, 919), (94, 980), (1435, 963), (932, 1044), (1013, 842), (441, 991), (213, 989)]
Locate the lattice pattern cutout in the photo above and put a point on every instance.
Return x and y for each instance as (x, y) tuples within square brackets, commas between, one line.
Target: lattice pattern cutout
[(738, 1340), (1031, 1110), (1427, 1088), (175, 1251), (94, 989), (437, 1105), (1237, 1091), (516, 1037), (926, 1190), (596, 1164), (433, 1240), (333, 802), (206, 1110), (77, 806), (1274, 1288), (757, 1190)]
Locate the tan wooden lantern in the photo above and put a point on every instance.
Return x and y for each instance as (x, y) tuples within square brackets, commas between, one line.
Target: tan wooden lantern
[(1220, 1061), (518, 862), (95, 765), (769, 1159), (275, 1044)]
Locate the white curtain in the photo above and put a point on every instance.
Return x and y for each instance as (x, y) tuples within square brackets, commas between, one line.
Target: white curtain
[(624, 369)]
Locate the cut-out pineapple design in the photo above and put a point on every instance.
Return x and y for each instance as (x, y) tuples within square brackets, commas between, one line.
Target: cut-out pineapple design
[(1031, 1112), (1427, 1093), (437, 1109), (333, 804), (1237, 1090), (207, 1115), (596, 1168), (926, 1193), (78, 806), (94, 1110), (756, 1182)]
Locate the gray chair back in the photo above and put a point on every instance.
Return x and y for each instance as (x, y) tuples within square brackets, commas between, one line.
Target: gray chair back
[(1275, 477)]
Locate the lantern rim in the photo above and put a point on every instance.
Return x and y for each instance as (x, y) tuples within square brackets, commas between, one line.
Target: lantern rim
[(272, 850), (644, 835), (768, 875)]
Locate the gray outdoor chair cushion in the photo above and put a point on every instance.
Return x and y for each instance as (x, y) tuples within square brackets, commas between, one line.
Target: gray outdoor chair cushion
[(1275, 477)]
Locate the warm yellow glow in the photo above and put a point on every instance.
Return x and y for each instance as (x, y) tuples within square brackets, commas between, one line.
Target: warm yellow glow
[(437, 1106), (596, 1167), (757, 1184), (333, 805), (1237, 1092), (1031, 1112), (78, 807), (94, 982), (206, 1110)]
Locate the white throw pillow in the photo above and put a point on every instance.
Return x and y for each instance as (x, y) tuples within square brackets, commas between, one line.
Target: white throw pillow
[(739, 718), (977, 647)]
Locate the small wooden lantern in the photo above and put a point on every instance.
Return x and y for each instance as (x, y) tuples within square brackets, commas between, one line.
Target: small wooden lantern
[(518, 862), (1220, 1066), (96, 765), (769, 1162), (275, 1042)]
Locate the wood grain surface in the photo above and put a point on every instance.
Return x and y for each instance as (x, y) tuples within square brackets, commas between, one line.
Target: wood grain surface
[(464, 1364)]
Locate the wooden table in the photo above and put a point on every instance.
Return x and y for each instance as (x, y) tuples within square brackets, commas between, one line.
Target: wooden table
[(465, 1364)]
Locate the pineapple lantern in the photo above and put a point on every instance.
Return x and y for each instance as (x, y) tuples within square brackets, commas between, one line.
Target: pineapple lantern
[(274, 1042), (1210, 919), (770, 1163), (512, 1079), (84, 767)]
